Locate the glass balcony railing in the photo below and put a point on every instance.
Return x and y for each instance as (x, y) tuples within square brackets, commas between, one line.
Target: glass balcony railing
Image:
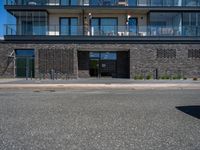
[(147, 3), (56, 30)]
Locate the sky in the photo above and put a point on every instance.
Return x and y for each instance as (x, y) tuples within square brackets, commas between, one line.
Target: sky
[(3, 17)]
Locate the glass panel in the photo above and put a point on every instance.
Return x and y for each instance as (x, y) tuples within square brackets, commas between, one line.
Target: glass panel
[(103, 2), (24, 63), (31, 22), (190, 2), (25, 53), (190, 24), (94, 55), (108, 26), (64, 26), (64, 2), (156, 2), (165, 24), (95, 27), (74, 2), (74, 26), (21, 67), (132, 2), (31, 2), (132, 26), (108, 56)]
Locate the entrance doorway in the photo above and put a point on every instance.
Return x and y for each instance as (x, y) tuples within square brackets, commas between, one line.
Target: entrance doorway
[(24, 63), (102, 64), (113, 64)]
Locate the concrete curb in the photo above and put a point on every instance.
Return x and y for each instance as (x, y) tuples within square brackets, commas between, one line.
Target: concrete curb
[(102, 86)]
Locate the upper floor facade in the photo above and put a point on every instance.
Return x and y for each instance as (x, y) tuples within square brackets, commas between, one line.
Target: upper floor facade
[(126, 20), (105, 3)]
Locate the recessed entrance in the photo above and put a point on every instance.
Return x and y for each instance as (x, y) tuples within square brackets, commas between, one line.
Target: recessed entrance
[(24, 63), (102, 64), (112, 64)]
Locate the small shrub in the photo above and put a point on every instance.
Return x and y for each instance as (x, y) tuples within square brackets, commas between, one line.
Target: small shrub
[(149, 77), (195, 79), (141, 77), (138, 77), (176, 77), (165, 77)]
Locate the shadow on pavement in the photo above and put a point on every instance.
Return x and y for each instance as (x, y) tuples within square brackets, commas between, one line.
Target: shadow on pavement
[(193, 111)]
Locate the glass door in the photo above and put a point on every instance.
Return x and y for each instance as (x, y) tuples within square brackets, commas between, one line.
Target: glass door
[(68, 26), (132, 25), (94, 64), (102, 64), (104, 26), (25, 63)]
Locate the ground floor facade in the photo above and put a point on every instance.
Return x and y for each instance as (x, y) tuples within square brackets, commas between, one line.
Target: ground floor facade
[(64, 61)]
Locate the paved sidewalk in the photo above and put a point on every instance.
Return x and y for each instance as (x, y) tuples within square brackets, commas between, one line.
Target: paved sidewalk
[(101, 84)]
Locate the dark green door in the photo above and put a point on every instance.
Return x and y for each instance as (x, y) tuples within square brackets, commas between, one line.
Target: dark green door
[(25, 64)]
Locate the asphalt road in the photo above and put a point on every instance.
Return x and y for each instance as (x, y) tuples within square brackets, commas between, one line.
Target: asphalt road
[(100, 119)]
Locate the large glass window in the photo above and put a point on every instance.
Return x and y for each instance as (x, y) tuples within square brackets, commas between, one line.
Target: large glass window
[(165, 24), (191, 24), (29, 2), (103, 2), (68, 26), (104, 26), (31, 22), (191, 2), (165, 2)]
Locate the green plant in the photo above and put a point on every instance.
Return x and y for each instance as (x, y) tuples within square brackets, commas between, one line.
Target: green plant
[(165, 77), (149, 77), (176, 77), (138, 77)]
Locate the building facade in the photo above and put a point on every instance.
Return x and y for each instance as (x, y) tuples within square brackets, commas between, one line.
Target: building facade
[(101, 38)]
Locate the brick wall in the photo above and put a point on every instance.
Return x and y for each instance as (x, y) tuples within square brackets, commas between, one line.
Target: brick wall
[(143, 58)]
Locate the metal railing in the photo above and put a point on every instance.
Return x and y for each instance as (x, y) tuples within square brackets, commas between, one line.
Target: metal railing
[(56, 30), (149, 3)]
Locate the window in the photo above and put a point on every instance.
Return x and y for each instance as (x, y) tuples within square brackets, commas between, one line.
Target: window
[(24, 53), (31, 22), (165, 24), (190, 2), (166, 53), (103, 2), (68, 26), (194, 53), (69, 2), (104, 26), (191, 24)]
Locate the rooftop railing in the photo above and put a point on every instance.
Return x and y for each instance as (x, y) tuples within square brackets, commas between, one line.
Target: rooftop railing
[(56, 30), (147, 3)]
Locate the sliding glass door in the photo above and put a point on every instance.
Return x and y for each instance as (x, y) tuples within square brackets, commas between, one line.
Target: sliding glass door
[(104, 26), (132, 23), (68, 26)]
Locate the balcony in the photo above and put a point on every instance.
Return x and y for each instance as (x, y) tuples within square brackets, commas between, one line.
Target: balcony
[(133, 3), (105, 34), (117, 31)]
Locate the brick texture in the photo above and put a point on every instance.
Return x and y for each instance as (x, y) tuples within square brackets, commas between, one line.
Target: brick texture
[(63, 59)]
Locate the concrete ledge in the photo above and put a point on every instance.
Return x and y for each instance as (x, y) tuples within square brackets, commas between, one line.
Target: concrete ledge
[(101, 86)]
